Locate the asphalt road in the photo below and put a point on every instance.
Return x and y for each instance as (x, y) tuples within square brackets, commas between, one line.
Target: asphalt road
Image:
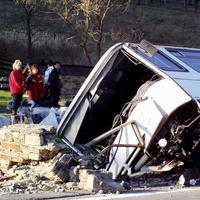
[(180, 194)]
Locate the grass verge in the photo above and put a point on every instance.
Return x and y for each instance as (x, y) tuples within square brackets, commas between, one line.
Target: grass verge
[(4, 98)]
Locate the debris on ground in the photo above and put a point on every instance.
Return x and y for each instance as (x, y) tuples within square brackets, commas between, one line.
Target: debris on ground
[(33, 159), (41, 177)]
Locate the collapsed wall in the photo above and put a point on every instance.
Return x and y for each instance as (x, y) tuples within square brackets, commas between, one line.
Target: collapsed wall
[(23, 143)]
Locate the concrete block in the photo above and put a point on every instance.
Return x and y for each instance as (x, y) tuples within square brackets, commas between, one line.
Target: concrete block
[(93, 183), (30, 149), (9, 136), (4, 162), (34, 140), (5, 168), (34, 156), (24, 142), (17, 159), (18, 137), (5, 156), (2, 134), (96, 180), (33, 131), (25, 155), (11, 146)]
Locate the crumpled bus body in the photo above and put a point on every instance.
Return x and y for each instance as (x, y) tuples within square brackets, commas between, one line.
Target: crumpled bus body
[(141, 103)]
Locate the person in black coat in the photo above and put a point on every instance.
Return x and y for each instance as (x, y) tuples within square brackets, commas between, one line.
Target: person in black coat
[(53, 84)]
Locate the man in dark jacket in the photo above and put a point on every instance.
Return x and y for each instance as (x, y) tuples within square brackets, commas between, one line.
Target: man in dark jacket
[(52, 83)]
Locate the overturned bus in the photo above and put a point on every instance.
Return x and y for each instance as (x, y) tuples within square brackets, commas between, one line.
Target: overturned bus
[(137, 108)]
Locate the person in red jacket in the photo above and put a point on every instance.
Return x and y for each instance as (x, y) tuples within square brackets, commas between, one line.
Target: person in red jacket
[(17, 83), (35, 87)]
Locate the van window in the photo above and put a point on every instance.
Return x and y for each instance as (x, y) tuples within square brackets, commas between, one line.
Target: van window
[(163, 61), (189, 57)]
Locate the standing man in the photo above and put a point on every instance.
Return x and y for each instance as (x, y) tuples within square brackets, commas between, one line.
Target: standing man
[(52, 83)]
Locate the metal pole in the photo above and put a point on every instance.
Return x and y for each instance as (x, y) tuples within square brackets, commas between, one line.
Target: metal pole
[(138, 134), (72, 147), (118, 145), (108, 133)]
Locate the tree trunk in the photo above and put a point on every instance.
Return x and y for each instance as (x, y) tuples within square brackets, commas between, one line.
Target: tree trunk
[(196, 5), (99, 36), (29, 39), (28, 12), (85, 51), (185, 4), (98, 47), (128, 5)]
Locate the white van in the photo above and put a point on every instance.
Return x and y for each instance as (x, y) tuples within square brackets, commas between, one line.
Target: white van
[(144, 99)]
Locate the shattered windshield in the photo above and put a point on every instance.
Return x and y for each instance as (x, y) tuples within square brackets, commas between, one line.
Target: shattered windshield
[(163, 62), (189, 57)]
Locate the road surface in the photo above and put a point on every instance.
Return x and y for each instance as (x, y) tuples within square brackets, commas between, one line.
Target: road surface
[(183, 194)]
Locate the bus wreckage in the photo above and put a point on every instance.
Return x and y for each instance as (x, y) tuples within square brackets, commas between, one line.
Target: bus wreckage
[(138, 108)]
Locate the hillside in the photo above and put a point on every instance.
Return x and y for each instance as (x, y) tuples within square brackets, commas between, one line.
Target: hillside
[(165, 25), (162, 25)]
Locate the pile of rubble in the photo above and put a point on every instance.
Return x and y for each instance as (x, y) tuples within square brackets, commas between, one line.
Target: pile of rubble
[(33, 159), (41, 177)]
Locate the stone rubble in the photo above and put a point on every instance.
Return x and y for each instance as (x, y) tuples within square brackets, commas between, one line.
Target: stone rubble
[(41, 178), (22, 143), (32, 161)]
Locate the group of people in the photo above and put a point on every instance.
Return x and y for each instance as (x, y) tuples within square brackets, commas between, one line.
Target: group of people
[(40, 91)]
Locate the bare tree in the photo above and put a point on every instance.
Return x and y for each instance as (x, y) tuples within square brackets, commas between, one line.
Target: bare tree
[(100, 12), (86, 20), (30, 8), (196, 5), (69, 11), (128, 5)]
